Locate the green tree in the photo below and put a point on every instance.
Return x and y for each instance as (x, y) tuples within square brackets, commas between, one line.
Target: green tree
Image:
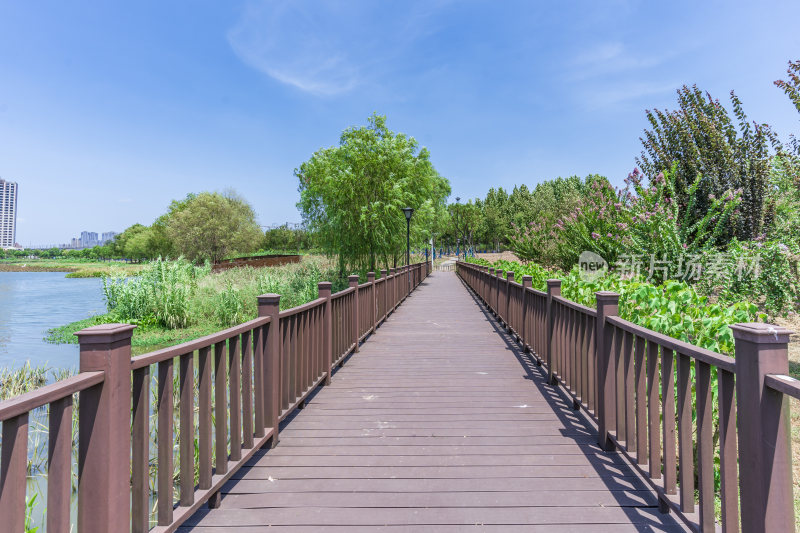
[(351, 195), (212, 226), (120, 245), (725, 154)]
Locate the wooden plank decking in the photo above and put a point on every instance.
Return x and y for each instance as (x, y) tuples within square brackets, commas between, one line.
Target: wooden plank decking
[(438, 424)]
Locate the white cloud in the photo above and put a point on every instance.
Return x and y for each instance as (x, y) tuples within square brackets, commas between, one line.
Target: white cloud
[(326, 48)]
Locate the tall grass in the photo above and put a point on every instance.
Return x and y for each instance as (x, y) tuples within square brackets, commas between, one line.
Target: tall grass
[(159, 295)]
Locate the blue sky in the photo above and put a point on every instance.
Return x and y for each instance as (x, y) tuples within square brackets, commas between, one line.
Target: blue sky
[(109, 110)]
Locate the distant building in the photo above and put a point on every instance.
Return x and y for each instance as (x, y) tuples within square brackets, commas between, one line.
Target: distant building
[(8, 213), (89, 239), (108, 236)]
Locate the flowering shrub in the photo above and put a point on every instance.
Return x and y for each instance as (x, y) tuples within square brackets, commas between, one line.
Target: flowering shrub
[(658, 228)]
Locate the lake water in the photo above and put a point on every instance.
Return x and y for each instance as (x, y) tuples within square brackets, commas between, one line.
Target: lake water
[(33, 302)]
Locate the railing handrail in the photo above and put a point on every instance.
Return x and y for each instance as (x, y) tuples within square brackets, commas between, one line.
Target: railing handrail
[(574, 305), (301, 308), (711, 357), (170, 352), (27, 402), (343, 292)]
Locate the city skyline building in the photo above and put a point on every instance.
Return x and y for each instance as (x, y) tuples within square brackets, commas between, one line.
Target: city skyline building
[(8, 213)]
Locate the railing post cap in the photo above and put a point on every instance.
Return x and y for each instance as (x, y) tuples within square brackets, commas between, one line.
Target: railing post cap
[(606, 297), (105, 333), (527, 278), (383, 272), (269, 299), (491, 270), (370, 276), (324, 285), (510, 276), (761, 333), (553, 283), (353, 277)]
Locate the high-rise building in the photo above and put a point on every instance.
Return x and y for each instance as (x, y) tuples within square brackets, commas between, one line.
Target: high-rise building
[(108, 236), (89, 239), (8, 213)]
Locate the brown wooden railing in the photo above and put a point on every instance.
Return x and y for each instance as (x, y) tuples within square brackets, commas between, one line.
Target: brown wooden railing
[(247, 379), (652, 396)]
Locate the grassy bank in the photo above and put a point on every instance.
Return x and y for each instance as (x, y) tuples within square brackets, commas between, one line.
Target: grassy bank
[(173, 302), (75, 268)]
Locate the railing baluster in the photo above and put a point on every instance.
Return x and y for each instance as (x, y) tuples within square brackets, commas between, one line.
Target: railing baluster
[(653, 410), (204, 410), (13, 469), (668, 418), (186, 386), (641, 401), (705, 450), (140, 453), (618, 356), (630, 428), (235, 396), (591, 355), (261, 390), (220, 408), (286, 354), (247, 390), (685, 452), (165, 438), (59, 464)]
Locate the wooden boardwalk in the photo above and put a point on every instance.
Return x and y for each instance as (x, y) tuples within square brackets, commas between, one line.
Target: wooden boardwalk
[(440, 423)]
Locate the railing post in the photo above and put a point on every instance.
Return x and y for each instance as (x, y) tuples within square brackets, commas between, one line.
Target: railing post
[(485, 284), (324, 290), (104, 432), (607, 305), (527, 283), (391, 291), (269, 305), (353, 281), (490, 284), (509, 279), (765, 462), (386, 294), (374, 299), (500, 281), (553, 289)]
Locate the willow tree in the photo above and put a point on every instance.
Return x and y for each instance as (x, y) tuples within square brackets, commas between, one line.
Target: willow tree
[(351, 195)]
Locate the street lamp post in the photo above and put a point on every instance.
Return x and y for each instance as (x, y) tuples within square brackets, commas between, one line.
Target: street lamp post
[(408, 211)]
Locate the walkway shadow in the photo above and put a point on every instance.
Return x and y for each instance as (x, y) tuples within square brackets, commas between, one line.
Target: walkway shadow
[(617, 473)]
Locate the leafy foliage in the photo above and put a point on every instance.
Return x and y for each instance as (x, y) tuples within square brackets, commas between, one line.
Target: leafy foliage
[(673, 308), (705, 144), (213, 225), (351, 195)]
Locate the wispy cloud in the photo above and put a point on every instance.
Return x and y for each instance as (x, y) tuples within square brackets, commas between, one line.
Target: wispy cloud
[(325, 48), (609, 58), (628, 92)]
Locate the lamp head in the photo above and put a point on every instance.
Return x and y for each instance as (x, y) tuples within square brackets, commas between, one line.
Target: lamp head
[(408, 212)]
